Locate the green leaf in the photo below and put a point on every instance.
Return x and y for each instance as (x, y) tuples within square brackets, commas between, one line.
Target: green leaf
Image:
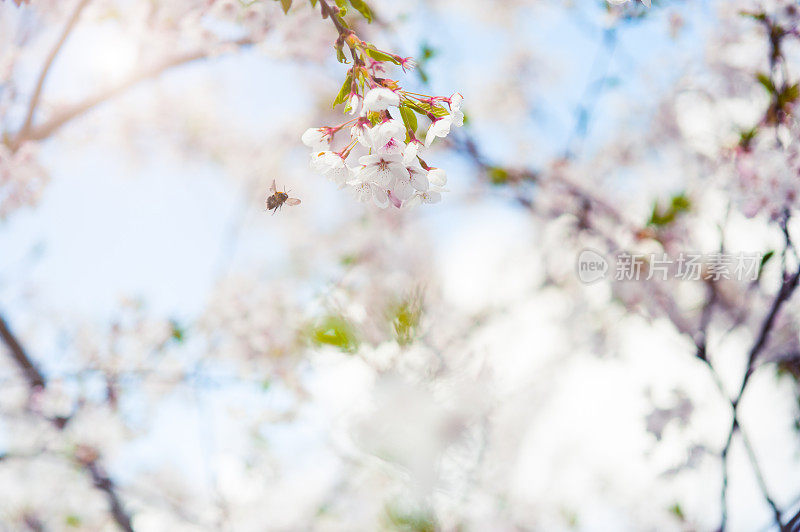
[(416, 107), (409, 520), (677, 511), (757, 16), (178, 332), (335, 331), (766, 82), (344, 92), (661, 217), (498, 175), (313, 3), (764, 260), (409, 118), (424, 109), (340, 55), (405, 317), (746, 137), (286, 5), (377, 55), (789, 94), (363, 8)]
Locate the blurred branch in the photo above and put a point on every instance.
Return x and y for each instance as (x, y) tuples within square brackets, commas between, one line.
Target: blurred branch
[(37, 92), (104, 483), (37, 383), (70, 113), (793, 525), (36, 380), (788, 286)]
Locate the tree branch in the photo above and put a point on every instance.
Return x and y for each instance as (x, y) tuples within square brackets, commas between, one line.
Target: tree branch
[(37, 383), (784, 294), (36, 380), (104, 483), (70, 113), (37, 92)]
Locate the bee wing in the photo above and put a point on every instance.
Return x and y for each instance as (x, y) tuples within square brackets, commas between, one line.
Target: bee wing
[(272, 187), (292, 201)]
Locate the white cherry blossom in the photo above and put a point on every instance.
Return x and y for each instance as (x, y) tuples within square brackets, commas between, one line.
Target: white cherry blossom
[(439, 128), (332, 166), (381, 169), (366, 192), (317, 138), (389, 136), (380, 99)]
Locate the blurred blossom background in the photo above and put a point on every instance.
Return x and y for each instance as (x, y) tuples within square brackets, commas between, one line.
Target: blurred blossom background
[(175, 357)]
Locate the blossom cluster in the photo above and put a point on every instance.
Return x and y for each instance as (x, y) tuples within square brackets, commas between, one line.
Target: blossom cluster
[(22, 178), (767, 180), (379, 156)]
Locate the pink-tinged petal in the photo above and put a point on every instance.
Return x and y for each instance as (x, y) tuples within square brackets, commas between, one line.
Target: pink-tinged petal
[(397, 202)]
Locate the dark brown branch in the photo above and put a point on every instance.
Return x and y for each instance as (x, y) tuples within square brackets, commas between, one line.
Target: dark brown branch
[(37, 92), (104, 483), (36, 380), (793, 525)]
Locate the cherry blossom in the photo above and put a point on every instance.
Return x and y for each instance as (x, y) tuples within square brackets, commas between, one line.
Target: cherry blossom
[(382, 169), (386, 125), (380, 99), (332, 166)]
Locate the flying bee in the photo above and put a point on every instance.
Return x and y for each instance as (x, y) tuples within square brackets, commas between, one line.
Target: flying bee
[(276, 200)]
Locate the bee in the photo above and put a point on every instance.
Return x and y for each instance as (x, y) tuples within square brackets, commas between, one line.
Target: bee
[(276, 200)]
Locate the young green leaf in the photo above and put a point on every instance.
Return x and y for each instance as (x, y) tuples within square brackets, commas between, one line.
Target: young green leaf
[(286, 5), (340, 55), (377, 55), (409, 118), (344, 91), (765, 81), (363, 8)]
